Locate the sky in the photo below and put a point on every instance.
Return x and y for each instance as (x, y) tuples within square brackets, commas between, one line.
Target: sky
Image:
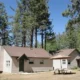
[(56, 7)]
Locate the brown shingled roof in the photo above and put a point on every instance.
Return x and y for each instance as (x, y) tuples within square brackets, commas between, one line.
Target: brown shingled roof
[(29, 52), (60, 57), (65, 52)]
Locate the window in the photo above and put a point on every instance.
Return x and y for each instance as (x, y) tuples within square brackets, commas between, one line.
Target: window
[(42, 62), (31, 62), (63, 61), (69, 62), (8, 63)]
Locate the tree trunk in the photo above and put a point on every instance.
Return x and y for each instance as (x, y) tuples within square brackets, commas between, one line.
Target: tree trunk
[(3, 37), (22, 42), (36, 37), (24, 39), (42, 38), (31, 45), (45, 39), (3, 40)]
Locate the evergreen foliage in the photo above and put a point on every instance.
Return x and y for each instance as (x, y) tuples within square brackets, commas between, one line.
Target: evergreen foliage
[(4, 29)]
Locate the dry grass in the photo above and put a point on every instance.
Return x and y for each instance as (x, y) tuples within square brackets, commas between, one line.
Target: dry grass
[(40, 76)]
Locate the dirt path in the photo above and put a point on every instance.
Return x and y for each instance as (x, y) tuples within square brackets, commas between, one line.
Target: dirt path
[(40, 76)]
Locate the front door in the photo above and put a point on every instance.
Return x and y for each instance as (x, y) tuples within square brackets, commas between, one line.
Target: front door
[(21, 64)]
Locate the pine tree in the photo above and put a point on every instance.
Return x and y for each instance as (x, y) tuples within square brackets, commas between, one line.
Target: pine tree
[(73, 12), (3, 24), (23, 22), (31, 16), (43, 18), (50, 40), (70, 30)]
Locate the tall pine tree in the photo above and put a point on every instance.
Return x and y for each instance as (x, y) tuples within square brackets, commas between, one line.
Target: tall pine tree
[(3, 24)]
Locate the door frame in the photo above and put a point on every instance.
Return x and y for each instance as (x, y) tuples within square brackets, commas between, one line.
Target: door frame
[(21, 62)]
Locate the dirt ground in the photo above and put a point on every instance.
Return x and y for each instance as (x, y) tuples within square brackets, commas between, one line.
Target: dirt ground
[(41, 76)]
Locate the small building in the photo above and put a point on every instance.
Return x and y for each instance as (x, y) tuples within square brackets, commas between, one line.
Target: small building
[(23, 59), (61, 60)]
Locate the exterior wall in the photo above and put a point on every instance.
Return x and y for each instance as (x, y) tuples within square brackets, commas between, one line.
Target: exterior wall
[(58, 64), (6, 58), (36, 67), (1, 58), (75, 55), (15, 65)]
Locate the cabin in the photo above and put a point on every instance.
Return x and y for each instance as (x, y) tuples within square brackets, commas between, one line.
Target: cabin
[(66, 59), (22, 59)]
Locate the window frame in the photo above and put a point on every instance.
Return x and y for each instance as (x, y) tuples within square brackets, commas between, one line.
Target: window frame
[(31, 61), (8, 63), (63, 61), (42, 62)]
